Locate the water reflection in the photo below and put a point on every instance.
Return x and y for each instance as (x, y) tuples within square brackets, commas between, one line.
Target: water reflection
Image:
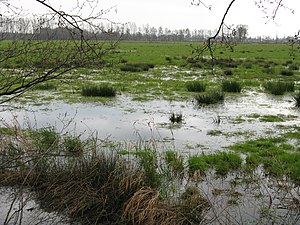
[(126, 120)]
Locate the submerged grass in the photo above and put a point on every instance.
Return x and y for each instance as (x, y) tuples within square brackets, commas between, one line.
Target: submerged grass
[(277, 155), (222, 162)]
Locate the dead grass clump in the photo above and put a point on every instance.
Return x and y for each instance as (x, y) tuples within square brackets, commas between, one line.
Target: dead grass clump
[(90, 190), (145, 207), (193, 204)]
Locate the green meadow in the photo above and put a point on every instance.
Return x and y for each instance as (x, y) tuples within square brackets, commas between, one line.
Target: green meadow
[(160, 70)]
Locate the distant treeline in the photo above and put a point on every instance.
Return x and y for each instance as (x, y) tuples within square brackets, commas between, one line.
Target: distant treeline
[(44, 29)]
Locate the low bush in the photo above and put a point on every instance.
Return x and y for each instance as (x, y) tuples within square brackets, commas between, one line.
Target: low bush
[(231, 86), (73, 145), (209, 98), (195, 86), (99, 90)]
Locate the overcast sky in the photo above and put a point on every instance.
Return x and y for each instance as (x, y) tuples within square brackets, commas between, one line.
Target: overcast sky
[(180, 14)]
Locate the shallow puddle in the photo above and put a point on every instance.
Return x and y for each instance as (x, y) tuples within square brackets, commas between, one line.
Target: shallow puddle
[(17, 207)]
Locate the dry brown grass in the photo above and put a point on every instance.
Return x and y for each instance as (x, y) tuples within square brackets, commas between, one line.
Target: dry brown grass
[(145, 207), (94, 188)]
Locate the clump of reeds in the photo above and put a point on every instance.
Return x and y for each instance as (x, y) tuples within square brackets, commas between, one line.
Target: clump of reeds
[(144, 207), (269, 70), (226, 62), (209, 98), (45, 86), (176, 118), (195, 86), (94, 186), (279, 87), (296, 98), (287, 72), (231, 86), (293, 67), (228, 72), (136, 67), (99, 90), (192, 205), (174, 161)]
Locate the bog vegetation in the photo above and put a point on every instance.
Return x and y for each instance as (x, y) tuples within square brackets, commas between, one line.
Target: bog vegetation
[(94, 181)]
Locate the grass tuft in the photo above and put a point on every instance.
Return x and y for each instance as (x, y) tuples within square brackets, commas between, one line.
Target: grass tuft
[(176, 118), (209, 98), (296, 98), (195, 86), (228, 72), (174, 161), (287, 72), (279, 87), (99, 90), (231, 86), (136, 67), (45, 86)]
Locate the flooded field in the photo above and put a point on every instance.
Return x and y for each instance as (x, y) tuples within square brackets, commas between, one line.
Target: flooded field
[(240, 154), (208, 128)]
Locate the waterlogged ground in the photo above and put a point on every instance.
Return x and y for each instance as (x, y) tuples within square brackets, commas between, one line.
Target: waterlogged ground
[(249, 115), (18, 207), (210, 128)]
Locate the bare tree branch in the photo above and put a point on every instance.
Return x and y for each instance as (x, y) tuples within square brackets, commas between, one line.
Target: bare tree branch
[(36, 61)]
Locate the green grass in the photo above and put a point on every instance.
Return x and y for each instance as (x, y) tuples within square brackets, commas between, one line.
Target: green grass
[(222, 162), (174, 161), (46, 86), (272, 118), (231, 86), (279, 87), (209, 98), (88, 187), (195, 86), (176, 118), (296, 98), (99, 90), (286, 72), (136, 67), (277, 155), (164, 81)]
